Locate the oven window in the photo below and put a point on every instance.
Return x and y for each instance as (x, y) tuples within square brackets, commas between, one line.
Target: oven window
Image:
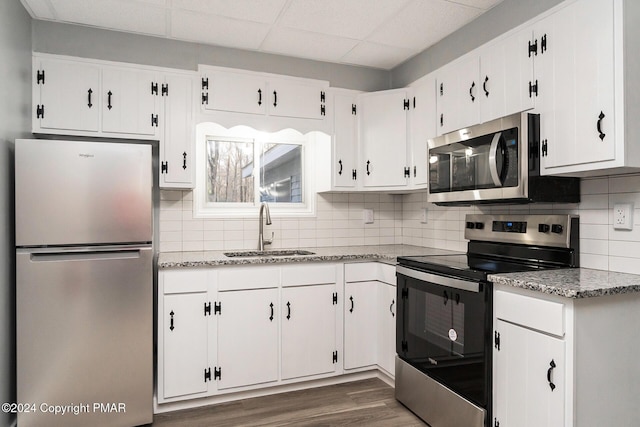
[(443, 332)]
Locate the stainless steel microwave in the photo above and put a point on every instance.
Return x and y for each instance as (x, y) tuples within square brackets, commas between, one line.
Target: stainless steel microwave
[(494, 162)]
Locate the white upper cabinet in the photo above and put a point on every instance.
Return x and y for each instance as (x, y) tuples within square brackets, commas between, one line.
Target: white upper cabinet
[(457, 94), (422, 126), (129, 98), (239, 91), (345, 140), (66, 96), (588, 123), (383, 138)]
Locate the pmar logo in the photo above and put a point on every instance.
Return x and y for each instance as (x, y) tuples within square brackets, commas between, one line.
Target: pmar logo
[(110, 408)]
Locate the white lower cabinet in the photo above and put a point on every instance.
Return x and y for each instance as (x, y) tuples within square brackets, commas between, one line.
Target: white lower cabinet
[(386, 316)]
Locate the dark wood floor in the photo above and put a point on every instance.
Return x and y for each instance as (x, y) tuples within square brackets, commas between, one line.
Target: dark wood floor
[(360, 403)]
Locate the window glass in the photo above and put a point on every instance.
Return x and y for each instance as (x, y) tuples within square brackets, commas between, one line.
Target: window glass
[(229, 171), (280, 177)]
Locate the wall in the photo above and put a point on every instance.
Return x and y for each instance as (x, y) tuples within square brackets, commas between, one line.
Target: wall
[(601, 247), (338, 223), (87, 42), (15, 121), (498, 20)]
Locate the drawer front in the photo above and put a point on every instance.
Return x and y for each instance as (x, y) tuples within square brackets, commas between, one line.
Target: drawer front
[(542, 315), (309, 274), (185, 280), (253, 277)]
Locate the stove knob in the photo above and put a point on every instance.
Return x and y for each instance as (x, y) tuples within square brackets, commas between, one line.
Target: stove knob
[(479, 225), (557, 228), (543, 228), (470, 225)]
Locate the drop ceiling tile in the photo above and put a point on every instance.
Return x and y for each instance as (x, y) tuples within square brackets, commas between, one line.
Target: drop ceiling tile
[(354, 18), (266, 11), (480, 4), (217, 30), (304, 44), (113, 14), (422, 23), (377, 55), (39, 9)]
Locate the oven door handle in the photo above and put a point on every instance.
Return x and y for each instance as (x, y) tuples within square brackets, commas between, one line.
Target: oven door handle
[(465, 285), (493, 159)]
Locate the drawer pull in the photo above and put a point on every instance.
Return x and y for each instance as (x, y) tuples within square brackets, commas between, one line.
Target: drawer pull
[(552, 365)]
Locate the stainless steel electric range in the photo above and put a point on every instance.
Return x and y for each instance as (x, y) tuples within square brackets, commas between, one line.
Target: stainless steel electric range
[(444, 321)]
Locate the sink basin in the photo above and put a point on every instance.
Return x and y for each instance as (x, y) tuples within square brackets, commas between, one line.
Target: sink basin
[(288, 252)]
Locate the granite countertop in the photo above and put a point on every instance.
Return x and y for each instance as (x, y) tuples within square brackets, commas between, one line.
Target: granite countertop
[(571, 282), (382, 253)]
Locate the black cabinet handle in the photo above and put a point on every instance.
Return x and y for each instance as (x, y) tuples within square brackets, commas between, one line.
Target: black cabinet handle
[(351, 309), (340, 164), (393, 302), (457, 299), (441, 119), (484, 86), (288, 310), (473, 98), (446, 297), (275, 98), (271, 317), (259, 96), (89, 92), (171, 327), (415, 171), (109, 106), (552, 365), (368, 163), (184, 160), (599, 126)]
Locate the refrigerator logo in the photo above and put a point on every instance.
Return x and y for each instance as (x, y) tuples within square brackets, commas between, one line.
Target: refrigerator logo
[(86, 156)]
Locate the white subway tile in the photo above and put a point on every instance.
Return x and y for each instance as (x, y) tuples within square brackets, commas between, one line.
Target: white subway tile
[(624, 265), (594, 186), (624, 184)]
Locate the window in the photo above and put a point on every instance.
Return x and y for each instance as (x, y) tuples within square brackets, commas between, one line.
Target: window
[(239, 168)]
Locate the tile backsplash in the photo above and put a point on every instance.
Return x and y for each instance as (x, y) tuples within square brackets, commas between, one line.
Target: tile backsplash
[(399, 219)]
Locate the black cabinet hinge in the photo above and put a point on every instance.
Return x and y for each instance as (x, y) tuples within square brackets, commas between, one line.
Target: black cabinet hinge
[(207, 375), (164, 167), (217, 373), (322, 96), (533, 88), (405, 104), (39, 111), (154, 120), (205, 83), (205, 98), (207, 308), (441, 89), (334, 299), (154, 88), (354, 109), (533, 48), (354, 174), (40, 77), (544, 148), (323, 110), (543, 44), (335, 356), (407, 172), (217, 308), (496, 340), (165, 89)]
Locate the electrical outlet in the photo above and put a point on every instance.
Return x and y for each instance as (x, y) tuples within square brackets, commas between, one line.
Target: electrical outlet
[(424, 215), (367, 216), (623, 216)]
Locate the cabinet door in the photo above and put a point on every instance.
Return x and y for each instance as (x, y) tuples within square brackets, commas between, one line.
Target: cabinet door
[(128, 101), (422, 121), (458, 88), (383, 133), (176, 151), (360, 338), (184, 332), (69, 94), (386, 315), (296, 99), (248, 337), (308, 330), (529, 378), (236, 92), (344, 141)]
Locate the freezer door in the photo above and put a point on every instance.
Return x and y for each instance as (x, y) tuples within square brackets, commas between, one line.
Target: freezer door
[(85, 336), (82, 193)]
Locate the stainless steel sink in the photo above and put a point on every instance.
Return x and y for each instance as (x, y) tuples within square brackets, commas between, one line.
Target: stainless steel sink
[(287, 252)]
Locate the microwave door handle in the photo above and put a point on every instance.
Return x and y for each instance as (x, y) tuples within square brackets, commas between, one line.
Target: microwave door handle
[(493, 160)]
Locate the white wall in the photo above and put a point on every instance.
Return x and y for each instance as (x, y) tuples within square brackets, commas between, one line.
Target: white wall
[(15, 121)]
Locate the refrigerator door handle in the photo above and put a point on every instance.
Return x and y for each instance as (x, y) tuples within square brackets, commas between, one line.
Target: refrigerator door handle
[(97, 255)]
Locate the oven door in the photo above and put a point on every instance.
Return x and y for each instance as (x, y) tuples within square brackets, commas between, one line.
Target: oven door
[(443, 329)]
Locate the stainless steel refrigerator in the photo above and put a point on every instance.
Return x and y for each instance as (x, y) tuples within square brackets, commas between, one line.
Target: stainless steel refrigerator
[(84, 283)]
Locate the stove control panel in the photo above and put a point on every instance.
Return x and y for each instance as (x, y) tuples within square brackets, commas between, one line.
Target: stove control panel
[(543, 230)]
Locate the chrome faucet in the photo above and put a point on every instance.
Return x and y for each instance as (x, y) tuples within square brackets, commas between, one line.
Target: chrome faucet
[(261, 240)]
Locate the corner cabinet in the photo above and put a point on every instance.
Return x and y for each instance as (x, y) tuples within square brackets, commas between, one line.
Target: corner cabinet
[(564, 362), (594, 99)]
